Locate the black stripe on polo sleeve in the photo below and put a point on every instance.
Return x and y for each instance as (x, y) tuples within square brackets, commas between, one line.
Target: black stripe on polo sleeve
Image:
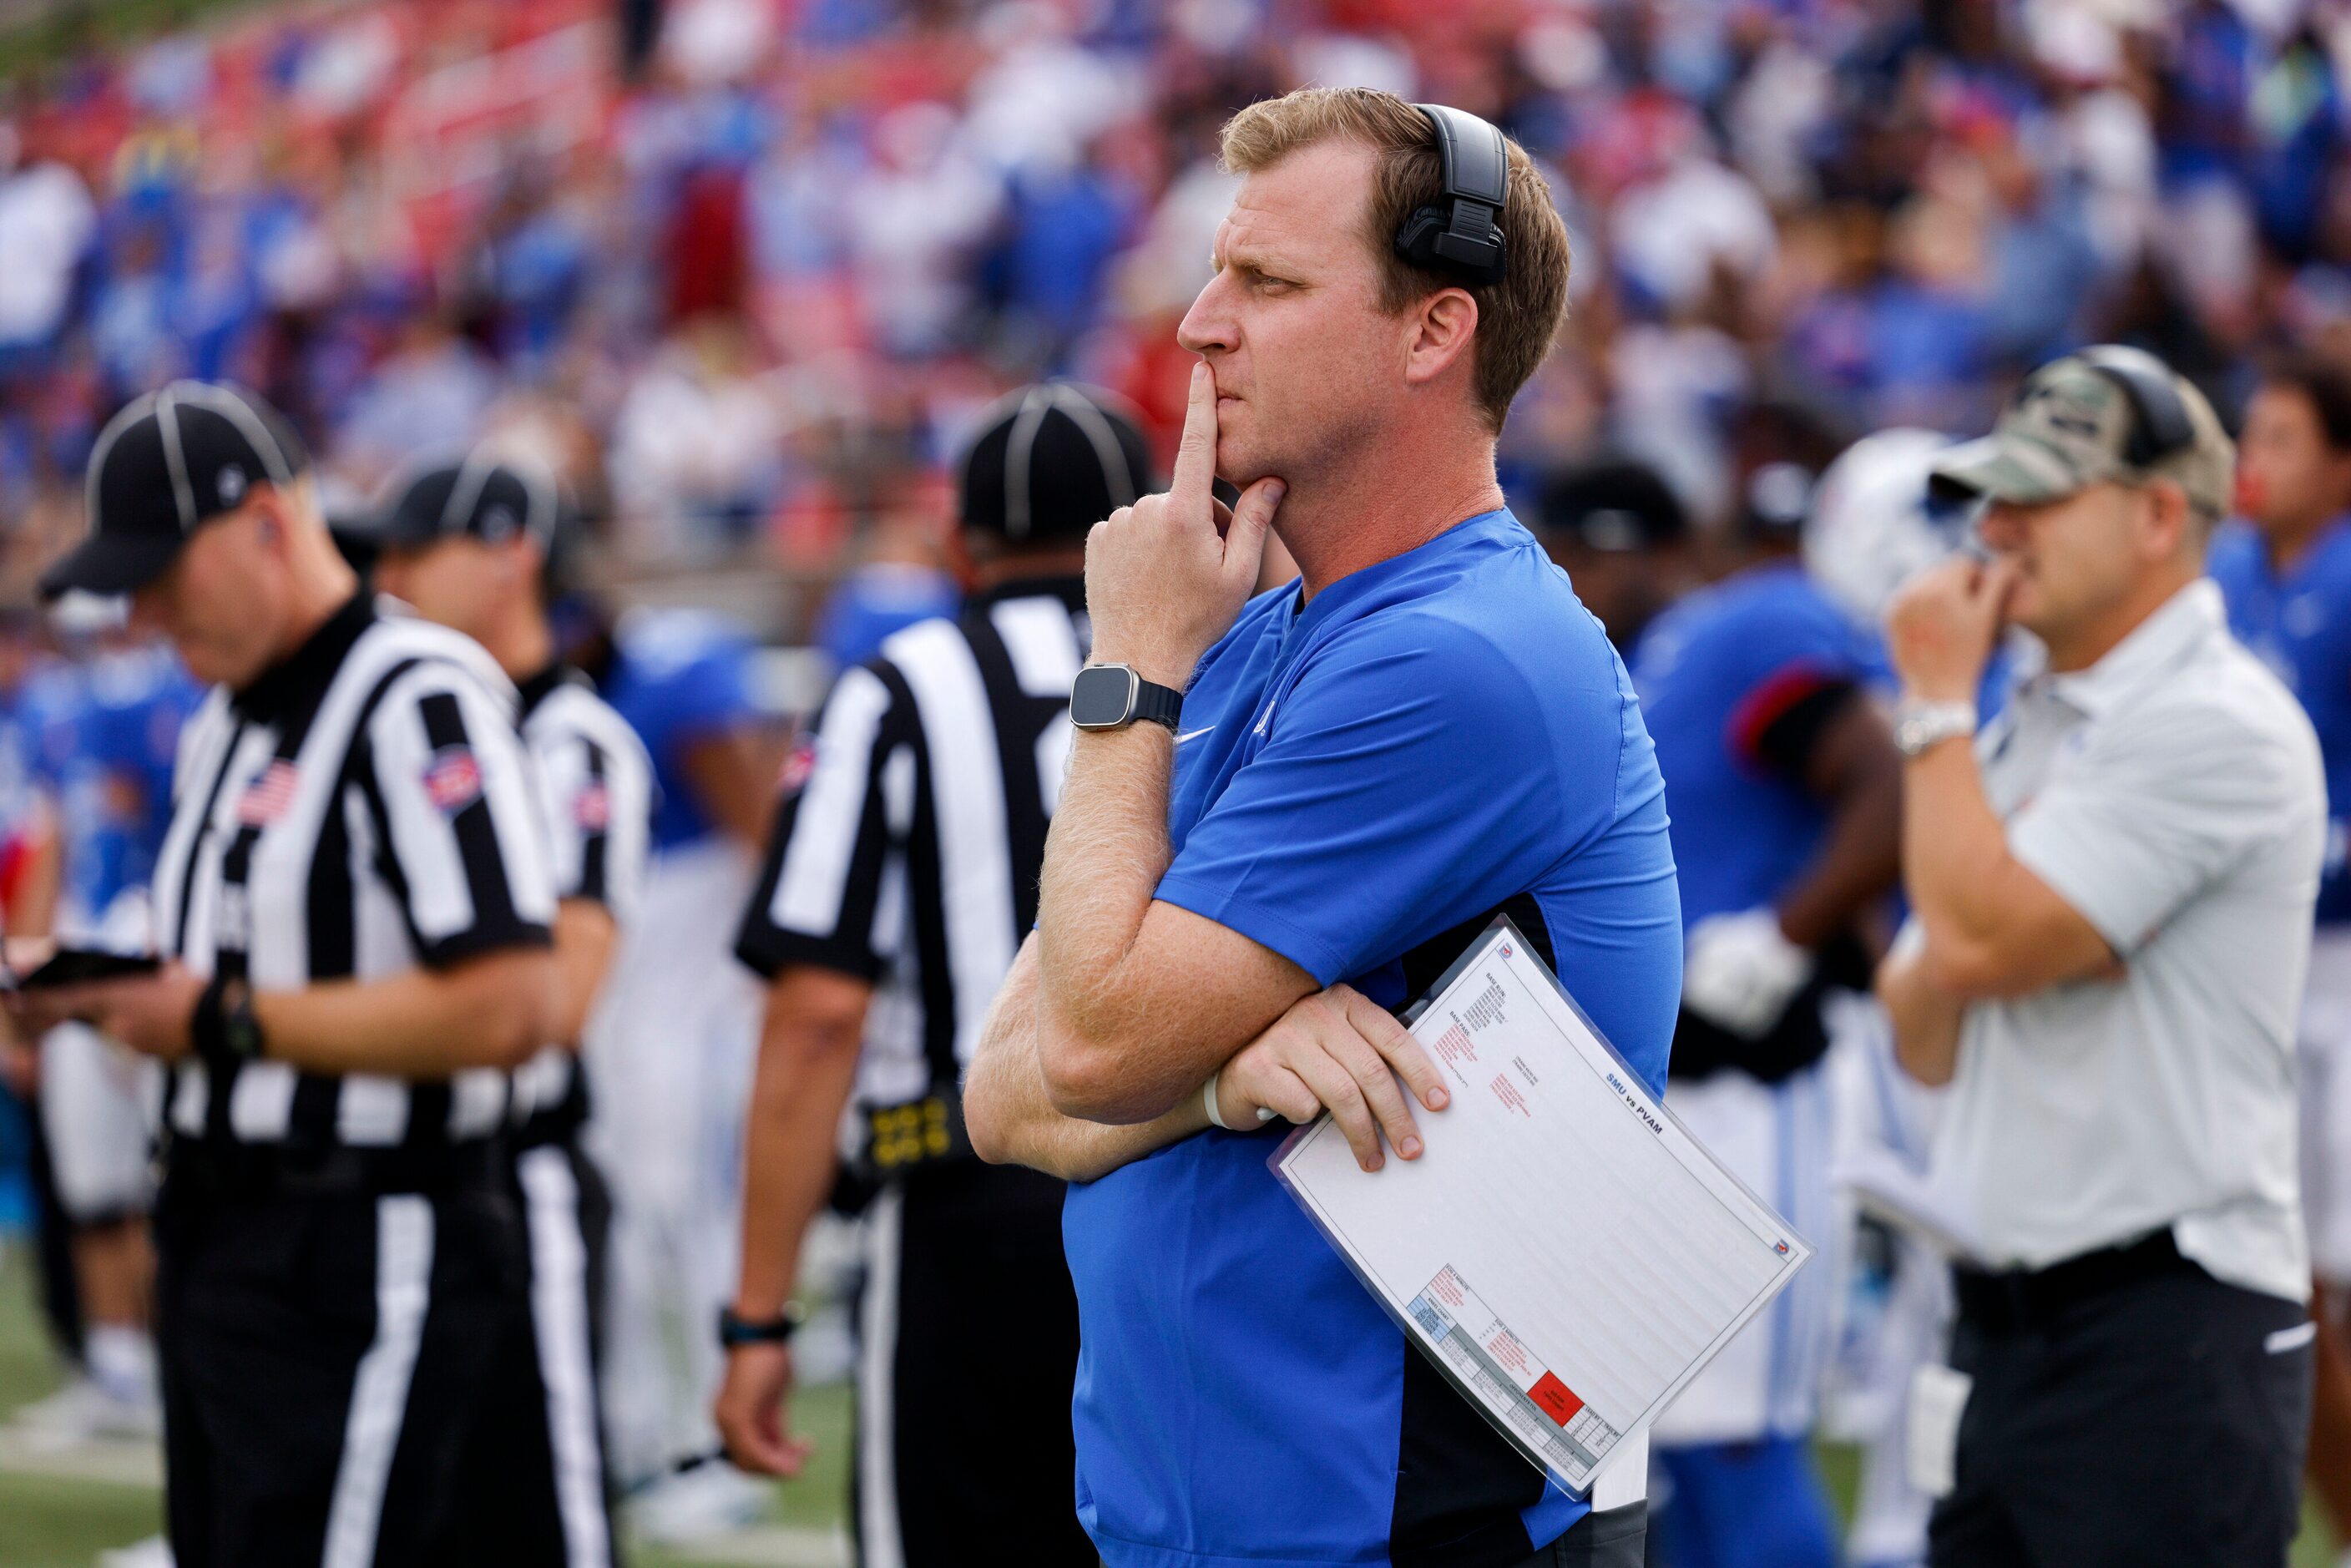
[(451, 793), (820, 879)]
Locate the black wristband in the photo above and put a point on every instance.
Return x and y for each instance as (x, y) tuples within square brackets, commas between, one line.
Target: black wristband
[(734, 1331), (223, 1030)]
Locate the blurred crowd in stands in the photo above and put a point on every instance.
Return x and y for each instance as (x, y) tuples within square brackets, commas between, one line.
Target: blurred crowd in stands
[(743, 270)]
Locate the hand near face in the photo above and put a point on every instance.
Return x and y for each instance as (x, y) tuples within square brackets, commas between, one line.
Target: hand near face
[(1166, 577), (1941, 627)]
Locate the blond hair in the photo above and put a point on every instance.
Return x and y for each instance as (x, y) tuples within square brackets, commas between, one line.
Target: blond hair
[(1519, 317)]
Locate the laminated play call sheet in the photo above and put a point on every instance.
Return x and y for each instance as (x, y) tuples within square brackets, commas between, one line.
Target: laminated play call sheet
[(1564, 1250)]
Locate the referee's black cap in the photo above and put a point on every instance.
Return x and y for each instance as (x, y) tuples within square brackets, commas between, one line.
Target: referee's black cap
[(1052, 460), (169, 461), (487, 497), (1614, 504)]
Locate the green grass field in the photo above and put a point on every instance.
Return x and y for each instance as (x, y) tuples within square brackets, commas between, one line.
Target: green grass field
[(51, 1523)]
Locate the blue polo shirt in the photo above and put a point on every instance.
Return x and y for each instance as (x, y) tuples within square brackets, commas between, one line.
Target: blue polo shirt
[(2298, 622), (1359, 784)]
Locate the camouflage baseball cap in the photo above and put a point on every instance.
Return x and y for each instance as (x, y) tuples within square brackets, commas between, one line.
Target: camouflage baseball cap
[(2071, 424)]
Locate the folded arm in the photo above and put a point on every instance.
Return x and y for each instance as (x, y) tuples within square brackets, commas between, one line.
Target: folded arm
[(1993, 927), (1137, 1001), (1011, 1116)]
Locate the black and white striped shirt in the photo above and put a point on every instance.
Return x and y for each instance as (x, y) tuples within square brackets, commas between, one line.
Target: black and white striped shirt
[(365, 807), (596, 785), (908, 842)]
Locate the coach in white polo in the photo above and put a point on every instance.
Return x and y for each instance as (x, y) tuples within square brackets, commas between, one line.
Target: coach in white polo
[(2113, 894)]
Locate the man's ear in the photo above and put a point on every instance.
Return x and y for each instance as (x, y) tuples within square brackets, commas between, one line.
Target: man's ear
[(268, 526), (2169, 518), (1446, 324)]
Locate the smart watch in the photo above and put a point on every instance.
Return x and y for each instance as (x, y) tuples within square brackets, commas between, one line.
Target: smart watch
[(1111, 697), (1920, 726), (733, 1331)]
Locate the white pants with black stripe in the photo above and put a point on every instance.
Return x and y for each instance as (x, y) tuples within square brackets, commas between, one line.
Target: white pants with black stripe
[(94, 1096), (329, 1365)]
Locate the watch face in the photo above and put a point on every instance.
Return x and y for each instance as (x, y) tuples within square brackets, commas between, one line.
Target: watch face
[(1102, 696)]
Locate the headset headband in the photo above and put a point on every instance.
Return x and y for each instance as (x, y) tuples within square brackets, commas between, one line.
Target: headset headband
[(1464, 236), (2160, 424)]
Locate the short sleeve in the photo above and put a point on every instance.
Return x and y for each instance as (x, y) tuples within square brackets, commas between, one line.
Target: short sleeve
[(2153, 810), (1802, 669), (847, 794), (453, 794), (1409, 782), (599, 811)]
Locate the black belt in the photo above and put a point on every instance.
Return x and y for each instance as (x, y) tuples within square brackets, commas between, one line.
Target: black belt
[(2015, 1299), (919, 1133), (260, 1170)]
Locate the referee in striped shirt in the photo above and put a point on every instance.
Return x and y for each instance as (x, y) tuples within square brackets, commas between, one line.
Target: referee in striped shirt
[(353, 906), (474, 545), (899, 881)]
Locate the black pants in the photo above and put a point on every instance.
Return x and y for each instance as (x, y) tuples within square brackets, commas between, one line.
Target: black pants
[(968, 1345), (545, 1419), (2159, 1423), (328, 1360), (1613, 1537)]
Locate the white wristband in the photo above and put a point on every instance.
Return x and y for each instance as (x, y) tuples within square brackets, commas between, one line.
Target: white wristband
[(1208, 1098), (1215, 1118)]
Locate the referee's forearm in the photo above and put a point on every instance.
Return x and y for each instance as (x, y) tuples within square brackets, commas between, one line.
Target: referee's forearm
[(492, 1010), (809, 1049)]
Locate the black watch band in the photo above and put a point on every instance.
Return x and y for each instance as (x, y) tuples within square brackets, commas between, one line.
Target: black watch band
[(734, 1331), (1111, 697), (223, 1030)]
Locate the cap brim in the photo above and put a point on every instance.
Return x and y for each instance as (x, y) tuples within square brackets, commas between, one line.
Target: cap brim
[(108, 566), (1999, 468)]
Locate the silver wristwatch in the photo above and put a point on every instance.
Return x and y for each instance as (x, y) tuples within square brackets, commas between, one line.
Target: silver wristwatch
[(1918, 727)]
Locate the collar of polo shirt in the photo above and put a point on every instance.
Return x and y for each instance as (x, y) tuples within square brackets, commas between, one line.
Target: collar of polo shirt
[(2153, 646)]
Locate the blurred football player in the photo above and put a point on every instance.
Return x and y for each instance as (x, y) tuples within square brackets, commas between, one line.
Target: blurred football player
[(1785, 792), (2284, 569)]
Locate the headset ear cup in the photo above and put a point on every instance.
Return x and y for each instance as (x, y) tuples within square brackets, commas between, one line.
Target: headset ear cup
[(1415, 241)]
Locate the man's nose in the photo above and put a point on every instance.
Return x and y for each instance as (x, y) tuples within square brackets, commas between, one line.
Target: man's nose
[(1208, 326), (2001, 526)]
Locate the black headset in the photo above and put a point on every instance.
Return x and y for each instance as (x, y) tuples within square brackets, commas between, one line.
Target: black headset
[(2160, 424), (1464, 236)]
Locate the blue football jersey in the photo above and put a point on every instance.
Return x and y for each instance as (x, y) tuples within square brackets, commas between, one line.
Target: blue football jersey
[(105, 733), (2299, 624), (1715, 673), (679, 676)]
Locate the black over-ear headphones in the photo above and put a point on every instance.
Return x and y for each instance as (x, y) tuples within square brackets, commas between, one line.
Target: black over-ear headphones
[(2160, 424), (1464, 236)]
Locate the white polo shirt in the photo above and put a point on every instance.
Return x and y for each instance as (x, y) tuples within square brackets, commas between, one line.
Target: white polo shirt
[(2172, 794)]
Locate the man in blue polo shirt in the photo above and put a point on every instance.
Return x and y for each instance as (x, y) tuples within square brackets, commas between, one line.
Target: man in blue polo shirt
[(1426, 729)]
